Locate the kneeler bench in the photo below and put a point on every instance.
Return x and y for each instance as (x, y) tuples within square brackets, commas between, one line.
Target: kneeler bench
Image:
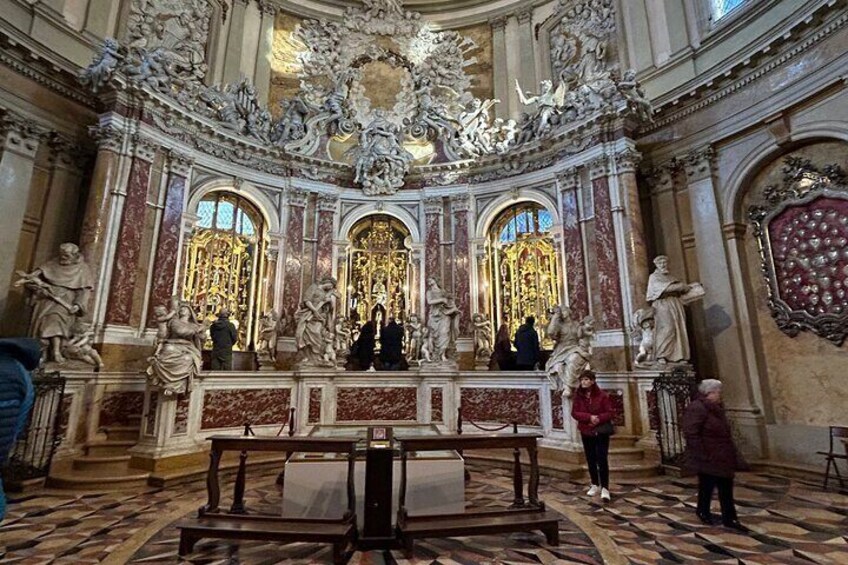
[(211, 522), (522, 516)]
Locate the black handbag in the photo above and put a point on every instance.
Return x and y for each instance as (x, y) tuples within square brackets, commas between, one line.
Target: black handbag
[(605, 429)]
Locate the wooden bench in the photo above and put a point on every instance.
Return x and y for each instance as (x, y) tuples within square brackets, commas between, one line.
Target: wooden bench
[(523, 515), (236, 524)]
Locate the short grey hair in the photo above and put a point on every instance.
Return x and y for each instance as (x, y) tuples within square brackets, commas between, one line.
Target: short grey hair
[(707, 386)]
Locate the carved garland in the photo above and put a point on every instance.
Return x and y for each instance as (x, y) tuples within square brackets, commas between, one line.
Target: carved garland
[(802, 235)]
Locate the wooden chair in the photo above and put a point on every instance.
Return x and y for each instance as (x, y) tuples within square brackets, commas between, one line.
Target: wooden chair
[(837, 433), (212, 522), (522, 516)]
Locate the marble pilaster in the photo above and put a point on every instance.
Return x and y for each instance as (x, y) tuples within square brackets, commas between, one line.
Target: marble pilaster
[(526, 44), (461, 262), (294, 255), (164, 271), (499, 58), (324, 248), (128, 250), (433, 239), (572, 235), (262, 73), (605, 248), (634, 228), (235, 40)]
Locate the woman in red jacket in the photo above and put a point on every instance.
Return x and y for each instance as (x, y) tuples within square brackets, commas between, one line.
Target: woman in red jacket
[(592, 409)]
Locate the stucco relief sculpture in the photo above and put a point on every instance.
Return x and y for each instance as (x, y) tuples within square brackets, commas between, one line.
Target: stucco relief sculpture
[(442, 326), (315, 331), (176, 360), (482, 340), (266, 345), (414, 338), (801, 227), (643, 329), (59, 291), (381, 161), (100, 72), (667, 295), (572, 352), (343, 339)]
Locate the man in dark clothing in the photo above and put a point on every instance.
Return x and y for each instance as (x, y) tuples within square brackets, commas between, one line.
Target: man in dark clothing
[(527, 346), (391, 347), (17, 358), (224, 337)]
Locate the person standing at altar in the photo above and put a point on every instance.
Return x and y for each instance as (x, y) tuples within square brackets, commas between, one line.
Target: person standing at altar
[(391, 347), (224, 337), (362, 351), (503, 357), (527, 345)]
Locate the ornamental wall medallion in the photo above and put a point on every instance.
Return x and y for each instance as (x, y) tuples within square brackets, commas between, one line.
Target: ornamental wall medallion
[(802, 235)]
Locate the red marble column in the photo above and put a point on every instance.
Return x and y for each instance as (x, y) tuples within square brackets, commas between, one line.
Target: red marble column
[(634, 234), (128, 250), (433, 240), (324, 248), (461, 262), (167, 247), (608, 273), (294, 256), (575, 258)]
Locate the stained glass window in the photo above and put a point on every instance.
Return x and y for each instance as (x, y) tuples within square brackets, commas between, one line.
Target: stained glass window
[(723, 7)]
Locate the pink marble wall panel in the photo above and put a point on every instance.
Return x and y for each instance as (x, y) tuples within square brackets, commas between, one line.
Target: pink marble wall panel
[(314, 405), (616, 397), (462, 272), (65, 418), (501, 405), (181, 418), (376, 403), (575, 260), (436, 405), (324, 248), (556, 410), (150, 420), (121, 408), (294, 264), (232, 408), (128, 253), (167, 248), (432, 247), (609, 284)]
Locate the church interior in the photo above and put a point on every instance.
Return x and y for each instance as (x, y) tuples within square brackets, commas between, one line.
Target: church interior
[(327, 281)]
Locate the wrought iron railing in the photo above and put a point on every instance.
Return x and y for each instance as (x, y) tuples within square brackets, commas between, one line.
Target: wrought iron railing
[(672, 392), (33, 452)]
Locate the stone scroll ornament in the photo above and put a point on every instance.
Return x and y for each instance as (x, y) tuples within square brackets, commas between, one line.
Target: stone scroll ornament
[(802, 234)]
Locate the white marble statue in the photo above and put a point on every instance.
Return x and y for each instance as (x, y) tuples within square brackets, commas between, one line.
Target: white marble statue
[(442, 323), (381, 161), (643, 328), (266, 346), (572, 353), (667, 295), (59, 291), (343, 339), (633, 93), (546, 103), (81, 346), (482, 339), (315, 319), (414, 338), (100, 71), (176, 359)]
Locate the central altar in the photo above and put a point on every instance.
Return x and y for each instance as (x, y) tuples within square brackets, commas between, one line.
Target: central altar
[(315, 484)]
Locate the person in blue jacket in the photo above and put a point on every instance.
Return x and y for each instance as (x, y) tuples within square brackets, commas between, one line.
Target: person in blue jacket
[(17, 358)]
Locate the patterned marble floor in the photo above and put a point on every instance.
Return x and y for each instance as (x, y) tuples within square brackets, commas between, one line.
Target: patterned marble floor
[(649, 522)]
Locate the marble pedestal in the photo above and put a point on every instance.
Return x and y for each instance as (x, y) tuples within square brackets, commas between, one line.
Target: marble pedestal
[(163, 430)]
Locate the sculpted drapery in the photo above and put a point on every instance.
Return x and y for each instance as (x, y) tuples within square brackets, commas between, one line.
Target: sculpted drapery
[(671, 342), (442, 321), (315, 331)]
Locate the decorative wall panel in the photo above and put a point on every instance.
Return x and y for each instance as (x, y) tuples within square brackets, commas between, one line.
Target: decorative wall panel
[(121, 408), (379, 403), (501, 405), (232, 408)]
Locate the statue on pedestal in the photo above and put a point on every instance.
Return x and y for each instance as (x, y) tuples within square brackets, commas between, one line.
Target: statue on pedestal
[(414, 338), (266, 346), (667, 296), (315, 324), (643, 328), (342, 340), (59, 292), (482, 341), (176, 359), (572, 353), (443, 324)]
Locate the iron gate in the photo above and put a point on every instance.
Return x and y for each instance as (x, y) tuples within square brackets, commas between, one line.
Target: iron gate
[(672, 392), (31, 456)]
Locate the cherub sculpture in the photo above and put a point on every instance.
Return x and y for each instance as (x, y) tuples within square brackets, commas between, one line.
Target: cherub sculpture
[(482, 338)]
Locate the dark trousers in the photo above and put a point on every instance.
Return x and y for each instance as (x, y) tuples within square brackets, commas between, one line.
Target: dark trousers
[(706, 485), (222, 362), (596, 449)]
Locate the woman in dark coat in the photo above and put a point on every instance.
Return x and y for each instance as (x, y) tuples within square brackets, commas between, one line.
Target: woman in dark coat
[(592, 409), (711, 453), (503, 357), (362, 351)]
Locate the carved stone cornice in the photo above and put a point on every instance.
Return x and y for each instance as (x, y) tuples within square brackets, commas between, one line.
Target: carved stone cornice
[(144, 149), (328, 203), (498, 23), (569, 179), (627, 161), (433, 205), (107, 138), (599, 167), (699, 163), (460, 203), (297, 198), (179, 163)]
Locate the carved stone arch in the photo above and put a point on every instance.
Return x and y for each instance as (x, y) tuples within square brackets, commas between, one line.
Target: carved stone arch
[(249, 191), (487, 215), (393, 210)]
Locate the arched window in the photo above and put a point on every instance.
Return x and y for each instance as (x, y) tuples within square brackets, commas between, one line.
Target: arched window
[(226, 254), (720, 8), (523, 264)]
